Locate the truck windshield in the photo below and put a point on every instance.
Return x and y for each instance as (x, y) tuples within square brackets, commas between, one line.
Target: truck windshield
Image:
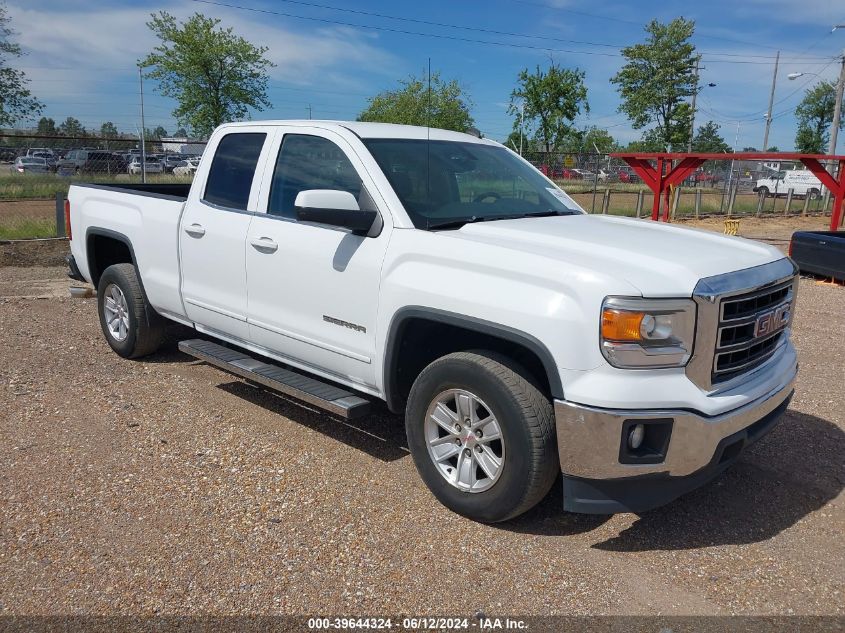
[(446, 184)]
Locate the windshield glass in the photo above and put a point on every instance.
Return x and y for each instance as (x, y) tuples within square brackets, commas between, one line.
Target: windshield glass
[(448, 183)]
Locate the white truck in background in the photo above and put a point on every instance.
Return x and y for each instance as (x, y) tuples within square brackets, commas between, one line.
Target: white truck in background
[(803, 183), (340, 263)]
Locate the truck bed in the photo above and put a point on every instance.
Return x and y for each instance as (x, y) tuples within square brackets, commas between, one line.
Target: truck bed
[(144, 217), (176, 191), (819, 252)]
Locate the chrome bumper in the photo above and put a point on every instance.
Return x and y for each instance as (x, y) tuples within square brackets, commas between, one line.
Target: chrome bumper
[(589, 439)]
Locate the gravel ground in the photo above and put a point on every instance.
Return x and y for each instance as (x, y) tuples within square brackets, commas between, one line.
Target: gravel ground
[(165, 486)]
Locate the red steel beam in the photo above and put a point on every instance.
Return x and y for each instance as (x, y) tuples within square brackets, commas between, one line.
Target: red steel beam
[(836, 187), (663, 175)]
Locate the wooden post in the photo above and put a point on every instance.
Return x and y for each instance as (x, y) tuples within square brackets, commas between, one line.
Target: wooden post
[(697, 202), (788, 200), (605, 203), (640, 203), (675, 200), (761, 200), (806, 204), (61, 231)]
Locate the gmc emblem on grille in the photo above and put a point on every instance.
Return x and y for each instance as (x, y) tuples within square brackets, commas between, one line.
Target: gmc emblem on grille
[(771, 321)]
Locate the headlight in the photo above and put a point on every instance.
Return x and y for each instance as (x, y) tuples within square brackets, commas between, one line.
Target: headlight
[(647, 333)]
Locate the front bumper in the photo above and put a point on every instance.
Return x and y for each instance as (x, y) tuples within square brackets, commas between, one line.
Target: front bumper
[(699, 448)]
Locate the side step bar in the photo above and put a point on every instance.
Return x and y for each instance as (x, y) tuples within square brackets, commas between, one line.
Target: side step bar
[(310, 390)]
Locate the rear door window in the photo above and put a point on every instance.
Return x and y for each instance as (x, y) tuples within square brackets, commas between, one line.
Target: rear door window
[(232, 170)]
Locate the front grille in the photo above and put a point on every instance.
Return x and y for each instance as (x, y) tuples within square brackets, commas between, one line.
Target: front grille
[(748, 332)]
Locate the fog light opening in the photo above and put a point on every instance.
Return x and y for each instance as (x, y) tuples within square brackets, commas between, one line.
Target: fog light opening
[(636, 436)]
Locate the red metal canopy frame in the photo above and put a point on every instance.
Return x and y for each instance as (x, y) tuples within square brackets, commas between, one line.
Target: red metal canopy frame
[(672, 169)]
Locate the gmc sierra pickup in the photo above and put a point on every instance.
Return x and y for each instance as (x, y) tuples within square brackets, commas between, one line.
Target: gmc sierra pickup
[(339, 263)]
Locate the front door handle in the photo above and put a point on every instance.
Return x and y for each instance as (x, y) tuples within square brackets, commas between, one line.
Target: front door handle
[(195, 230), (264, 244)]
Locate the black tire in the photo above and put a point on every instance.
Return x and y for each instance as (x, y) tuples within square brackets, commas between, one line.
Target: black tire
[(813, 193), (764, 191), (526, 420), (146, 328)]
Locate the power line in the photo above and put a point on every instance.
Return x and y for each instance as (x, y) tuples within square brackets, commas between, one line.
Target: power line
[(444, 36), (640, 24)]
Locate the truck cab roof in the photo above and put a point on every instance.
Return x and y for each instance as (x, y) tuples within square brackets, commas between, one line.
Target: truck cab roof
[(373, 130)]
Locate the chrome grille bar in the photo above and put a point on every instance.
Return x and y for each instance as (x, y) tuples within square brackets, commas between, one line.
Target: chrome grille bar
[(729, 307)]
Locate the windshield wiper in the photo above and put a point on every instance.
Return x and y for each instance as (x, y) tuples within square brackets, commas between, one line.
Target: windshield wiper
[(457, 223)]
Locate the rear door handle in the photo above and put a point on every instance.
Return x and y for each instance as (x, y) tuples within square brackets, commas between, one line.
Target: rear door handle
[(195, 230), (264, 244)]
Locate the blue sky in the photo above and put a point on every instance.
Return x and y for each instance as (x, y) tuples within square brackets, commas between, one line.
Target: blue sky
[(81, 54)]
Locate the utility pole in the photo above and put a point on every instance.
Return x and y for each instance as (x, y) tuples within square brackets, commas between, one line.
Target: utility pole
[(143, 128), (692, 117), (837, 110), (771, 105), (521, 117), (309, 111)]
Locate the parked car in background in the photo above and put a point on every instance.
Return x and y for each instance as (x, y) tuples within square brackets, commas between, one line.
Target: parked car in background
[(628, 176), (49, 158), (39, 151), (153, 166), (565, 173), (585, 174), (189, 168), (31, 165), (605, 175), (705, 178), (79, 161), (172, 161)]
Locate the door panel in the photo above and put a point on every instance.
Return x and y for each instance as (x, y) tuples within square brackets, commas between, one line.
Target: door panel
[(212, 235), (213, 269), (313, 290)]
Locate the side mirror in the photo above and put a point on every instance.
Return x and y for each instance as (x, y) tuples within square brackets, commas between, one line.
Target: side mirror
[(333, 208)]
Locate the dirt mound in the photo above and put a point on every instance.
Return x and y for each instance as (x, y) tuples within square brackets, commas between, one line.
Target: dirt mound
[(26, 253)]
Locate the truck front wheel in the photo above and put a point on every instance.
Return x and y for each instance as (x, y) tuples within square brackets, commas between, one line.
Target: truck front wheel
[(482, 436), (131, 327)]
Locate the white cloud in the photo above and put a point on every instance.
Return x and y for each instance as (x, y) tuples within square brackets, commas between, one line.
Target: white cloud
[(80, 49)]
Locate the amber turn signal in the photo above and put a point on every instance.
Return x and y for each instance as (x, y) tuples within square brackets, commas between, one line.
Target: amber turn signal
[(621, 325)]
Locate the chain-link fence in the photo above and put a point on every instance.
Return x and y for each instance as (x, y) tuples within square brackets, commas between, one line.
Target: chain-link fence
[(34, 169)]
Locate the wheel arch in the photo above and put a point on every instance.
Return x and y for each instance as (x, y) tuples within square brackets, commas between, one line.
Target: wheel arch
[(403, 362), (104, 248)]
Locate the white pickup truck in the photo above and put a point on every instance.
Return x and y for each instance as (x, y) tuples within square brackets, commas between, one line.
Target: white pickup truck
[(340, 263)]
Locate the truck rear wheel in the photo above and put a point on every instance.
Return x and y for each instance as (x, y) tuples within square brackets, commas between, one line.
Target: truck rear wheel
[(131, 327), (482, 436)]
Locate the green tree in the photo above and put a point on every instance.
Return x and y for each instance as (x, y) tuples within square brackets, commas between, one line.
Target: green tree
[(108, 130), (815, 116), (213, 74), (445, 106), (181, 133), (708, 140), (596, 137), (548, 101), (16, 101), (657, 79), (71, 127), (47, 126), (159, 132)]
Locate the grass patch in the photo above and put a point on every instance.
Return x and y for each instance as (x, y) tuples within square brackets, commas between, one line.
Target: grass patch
[(26, 229)]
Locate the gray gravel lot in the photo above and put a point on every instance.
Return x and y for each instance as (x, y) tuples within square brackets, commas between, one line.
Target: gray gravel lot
[(165, 486)]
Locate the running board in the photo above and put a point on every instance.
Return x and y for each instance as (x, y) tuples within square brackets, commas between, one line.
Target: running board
[(290, 383)]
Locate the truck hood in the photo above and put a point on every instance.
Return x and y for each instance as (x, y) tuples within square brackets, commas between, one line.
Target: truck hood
[(657, 259)]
